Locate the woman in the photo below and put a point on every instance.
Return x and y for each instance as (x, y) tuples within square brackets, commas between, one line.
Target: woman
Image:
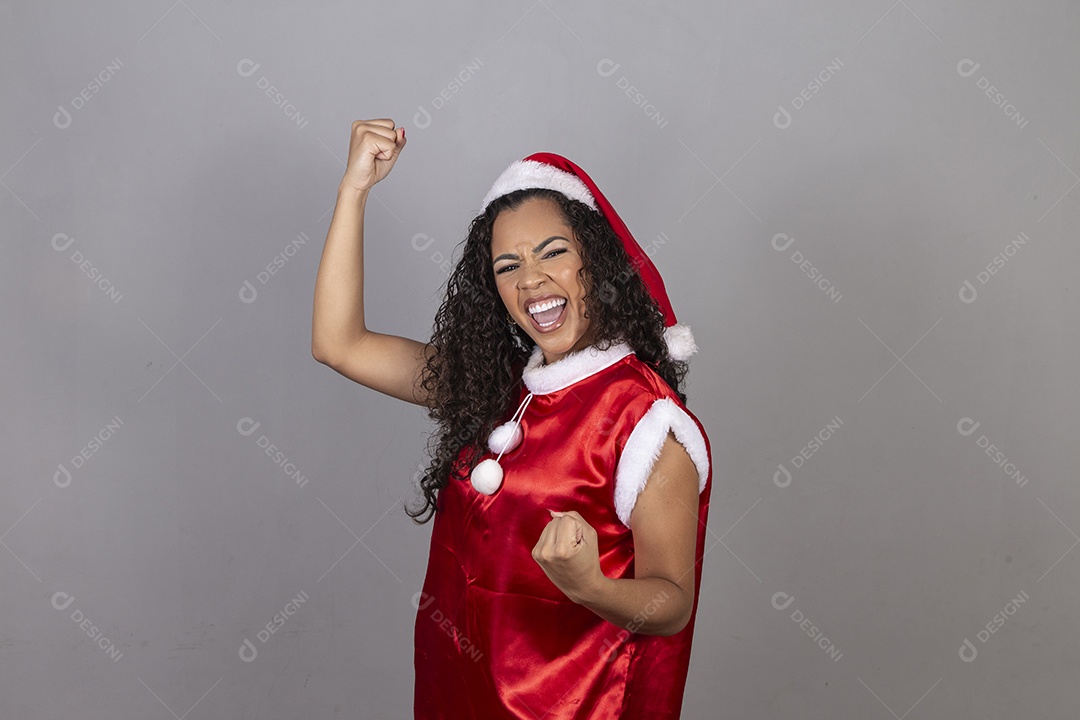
[(566, 550)]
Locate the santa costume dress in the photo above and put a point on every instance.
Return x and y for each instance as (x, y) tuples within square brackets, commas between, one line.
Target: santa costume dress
[(495, 638)]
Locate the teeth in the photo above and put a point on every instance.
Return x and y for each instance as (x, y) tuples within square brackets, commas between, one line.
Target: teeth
[(540, 307)]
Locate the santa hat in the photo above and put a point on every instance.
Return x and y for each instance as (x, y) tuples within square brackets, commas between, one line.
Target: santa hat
[(554, 172)]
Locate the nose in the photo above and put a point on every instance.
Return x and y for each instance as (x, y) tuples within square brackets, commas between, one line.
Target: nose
[(531, 275)]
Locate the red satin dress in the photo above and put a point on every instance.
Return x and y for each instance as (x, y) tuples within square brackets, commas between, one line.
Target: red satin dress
[(495, 638)]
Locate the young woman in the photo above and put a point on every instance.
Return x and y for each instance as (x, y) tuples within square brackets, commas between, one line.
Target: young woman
[(569, 485)]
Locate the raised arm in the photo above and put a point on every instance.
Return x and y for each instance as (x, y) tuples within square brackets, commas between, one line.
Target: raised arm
[(340, 338)]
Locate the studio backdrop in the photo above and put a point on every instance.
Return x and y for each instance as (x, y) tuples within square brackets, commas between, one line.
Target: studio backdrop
[(866, 211)]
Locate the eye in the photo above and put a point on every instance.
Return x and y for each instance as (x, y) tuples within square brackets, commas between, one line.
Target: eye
[(556, 252), (504, 268)]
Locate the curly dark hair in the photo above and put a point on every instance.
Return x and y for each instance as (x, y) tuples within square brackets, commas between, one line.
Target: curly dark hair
[(474, 375)]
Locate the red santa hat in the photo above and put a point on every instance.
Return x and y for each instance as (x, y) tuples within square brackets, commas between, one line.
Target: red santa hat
[(554, 172)]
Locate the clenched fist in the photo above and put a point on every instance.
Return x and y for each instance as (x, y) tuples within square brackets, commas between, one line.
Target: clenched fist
[(374, 147), (568, 554)]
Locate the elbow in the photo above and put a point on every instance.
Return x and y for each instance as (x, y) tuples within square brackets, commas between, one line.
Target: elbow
[(681, 624), (678, 623), (319, 354), (674, 627), (332, 351)]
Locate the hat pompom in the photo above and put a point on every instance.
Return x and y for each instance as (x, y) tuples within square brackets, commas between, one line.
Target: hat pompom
[(680, 341)]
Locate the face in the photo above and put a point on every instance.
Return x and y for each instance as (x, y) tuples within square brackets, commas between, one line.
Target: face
[(536, 260)]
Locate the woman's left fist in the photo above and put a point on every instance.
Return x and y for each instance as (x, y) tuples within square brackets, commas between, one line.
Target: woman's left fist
[(568, 554)]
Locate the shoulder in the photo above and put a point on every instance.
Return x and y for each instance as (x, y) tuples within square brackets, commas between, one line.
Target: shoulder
[(633, 383), (650, 410), (646, 377)]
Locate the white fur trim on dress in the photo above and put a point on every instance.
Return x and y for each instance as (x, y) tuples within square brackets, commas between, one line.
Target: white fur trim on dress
[(680, 341), (643, 448), (524, 174), (574, 366)]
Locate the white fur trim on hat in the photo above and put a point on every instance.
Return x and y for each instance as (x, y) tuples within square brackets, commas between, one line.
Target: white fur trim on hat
[(524, 174), (643, 448), (680, 341)]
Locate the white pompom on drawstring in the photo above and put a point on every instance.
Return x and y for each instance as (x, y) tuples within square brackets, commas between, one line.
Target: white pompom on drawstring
[(680, 341), (487, 476), (504, 438)]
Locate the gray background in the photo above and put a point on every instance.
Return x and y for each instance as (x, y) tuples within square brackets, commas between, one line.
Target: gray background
[(148, 178)]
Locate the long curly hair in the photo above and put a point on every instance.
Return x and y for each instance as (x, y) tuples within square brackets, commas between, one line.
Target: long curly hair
[(473, 376)]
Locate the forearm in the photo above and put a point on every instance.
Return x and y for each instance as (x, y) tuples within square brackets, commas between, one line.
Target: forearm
[(652, 606), (338, 317)]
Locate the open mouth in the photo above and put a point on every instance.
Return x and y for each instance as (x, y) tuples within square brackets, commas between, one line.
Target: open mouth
[(547, 315)]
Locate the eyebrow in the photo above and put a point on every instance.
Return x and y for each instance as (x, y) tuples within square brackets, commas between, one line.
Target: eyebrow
[(538, 248)]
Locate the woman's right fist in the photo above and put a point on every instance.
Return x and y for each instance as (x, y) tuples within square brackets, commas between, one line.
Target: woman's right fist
[(373, 149)]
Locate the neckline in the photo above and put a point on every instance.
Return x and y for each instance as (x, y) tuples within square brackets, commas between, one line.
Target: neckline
[(571, 368)]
